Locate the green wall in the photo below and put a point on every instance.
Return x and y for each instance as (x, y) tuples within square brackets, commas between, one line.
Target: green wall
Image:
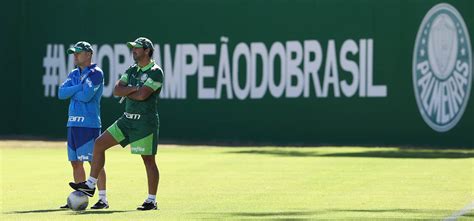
[(390, 26), (10, 22)]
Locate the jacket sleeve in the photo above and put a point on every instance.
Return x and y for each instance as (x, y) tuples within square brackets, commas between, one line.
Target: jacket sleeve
[(67, 89), (89, 87)]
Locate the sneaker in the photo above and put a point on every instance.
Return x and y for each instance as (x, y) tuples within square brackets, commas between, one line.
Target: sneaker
[(64, 207), (100, 205), (148, 206), (82, 187)]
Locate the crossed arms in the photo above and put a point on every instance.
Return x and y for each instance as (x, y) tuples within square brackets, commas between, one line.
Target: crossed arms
[(81, 92), (86, 91), (135, 93)]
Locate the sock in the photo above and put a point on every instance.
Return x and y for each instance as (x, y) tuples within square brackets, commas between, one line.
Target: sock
[(151, 198), (103, 196), (91, 182)]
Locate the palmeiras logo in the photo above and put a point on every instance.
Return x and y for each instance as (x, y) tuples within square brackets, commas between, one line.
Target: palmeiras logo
[(144, 77), (442, 67)]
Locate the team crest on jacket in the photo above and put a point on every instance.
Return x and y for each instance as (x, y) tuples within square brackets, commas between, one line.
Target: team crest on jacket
[(144, 77), (442, 67)]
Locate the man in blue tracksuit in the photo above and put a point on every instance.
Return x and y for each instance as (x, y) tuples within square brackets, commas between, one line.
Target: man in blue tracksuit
[(84, 86)]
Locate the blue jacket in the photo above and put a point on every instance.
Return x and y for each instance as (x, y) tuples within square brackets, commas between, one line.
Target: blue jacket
[(84, 88)]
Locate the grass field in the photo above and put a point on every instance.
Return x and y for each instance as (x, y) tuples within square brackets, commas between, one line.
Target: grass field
[(246, 183)]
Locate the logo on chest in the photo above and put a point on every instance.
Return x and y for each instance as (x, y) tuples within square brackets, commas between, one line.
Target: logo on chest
[(143, 78), (139, 79)]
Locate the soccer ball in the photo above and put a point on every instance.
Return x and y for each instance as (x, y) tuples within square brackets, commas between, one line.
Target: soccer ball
[(77, 201)]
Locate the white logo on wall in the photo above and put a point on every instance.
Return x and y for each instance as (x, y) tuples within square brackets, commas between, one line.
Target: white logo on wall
[(280, 69), (442, 67)]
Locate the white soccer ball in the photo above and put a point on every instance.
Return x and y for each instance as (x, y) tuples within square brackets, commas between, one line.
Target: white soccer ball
[(77, 201)]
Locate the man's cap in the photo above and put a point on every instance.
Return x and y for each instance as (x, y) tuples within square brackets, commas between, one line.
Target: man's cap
[(80, 46), (141, 42)]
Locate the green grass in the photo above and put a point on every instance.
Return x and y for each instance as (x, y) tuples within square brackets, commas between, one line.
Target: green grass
[(246, 183)]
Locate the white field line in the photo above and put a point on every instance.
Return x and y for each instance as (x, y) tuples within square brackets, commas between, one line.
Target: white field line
[(461, 212)]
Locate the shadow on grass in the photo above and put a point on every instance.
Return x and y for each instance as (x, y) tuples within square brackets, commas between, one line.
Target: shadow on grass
[(468, 215), (89, 212), (400, 153), (270, 214), (286, 215), (71, 212), (36, 211), (325, 213), (405, 211)]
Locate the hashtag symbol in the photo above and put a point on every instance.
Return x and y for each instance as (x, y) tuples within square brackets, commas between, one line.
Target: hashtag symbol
[(51, 63)]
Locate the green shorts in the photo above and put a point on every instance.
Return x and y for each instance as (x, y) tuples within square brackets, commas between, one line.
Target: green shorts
[(142, 135)]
